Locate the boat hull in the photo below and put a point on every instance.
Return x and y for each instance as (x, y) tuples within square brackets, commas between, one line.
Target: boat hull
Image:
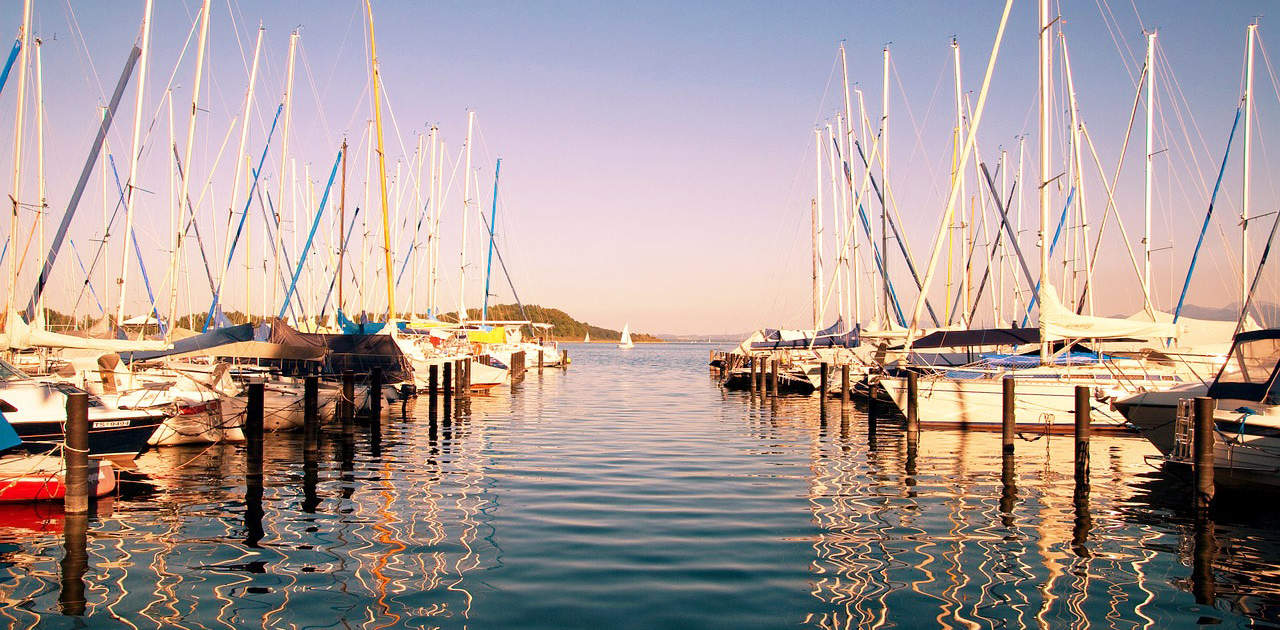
[(1042, 407), (43, 478)]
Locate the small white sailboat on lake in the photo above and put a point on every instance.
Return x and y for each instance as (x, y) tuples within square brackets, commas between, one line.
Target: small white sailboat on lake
[(625, 342), (587, 338)]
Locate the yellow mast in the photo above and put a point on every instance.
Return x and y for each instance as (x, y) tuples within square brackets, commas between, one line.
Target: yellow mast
[(382, 166)]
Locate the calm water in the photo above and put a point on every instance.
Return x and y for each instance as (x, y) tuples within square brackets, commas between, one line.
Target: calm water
[(632, 492)]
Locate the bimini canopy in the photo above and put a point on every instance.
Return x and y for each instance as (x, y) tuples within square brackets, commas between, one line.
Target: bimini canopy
[(1250, 372)]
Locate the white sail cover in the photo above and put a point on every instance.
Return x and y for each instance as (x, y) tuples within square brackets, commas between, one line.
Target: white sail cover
[(1060, 322), (19, 336)]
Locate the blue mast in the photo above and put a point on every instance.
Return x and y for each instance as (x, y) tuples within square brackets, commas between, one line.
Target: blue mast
[(493, 216)]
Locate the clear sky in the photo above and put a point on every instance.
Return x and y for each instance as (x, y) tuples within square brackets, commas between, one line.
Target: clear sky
[(657, 156)]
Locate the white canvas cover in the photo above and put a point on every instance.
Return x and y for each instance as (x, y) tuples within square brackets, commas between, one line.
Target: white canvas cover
[(1060, 322)]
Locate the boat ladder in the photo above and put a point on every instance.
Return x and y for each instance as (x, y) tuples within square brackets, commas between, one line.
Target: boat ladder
[(1182, 431)]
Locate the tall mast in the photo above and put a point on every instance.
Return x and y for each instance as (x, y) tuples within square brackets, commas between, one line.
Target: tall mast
[(851, 260), (884, 188), (175, 265), (106, 232), (133, 161), (433, 205), (813, 244), (1046, 91), (17, 157), (959, 176), (818, 298), (274, 281), (1146, 172), (413, 249), (235, 182), (836, 207), (466, 202), (342, 222), (1248, 142), (382, 167), (493, 232), (364, 221), (40, 183)]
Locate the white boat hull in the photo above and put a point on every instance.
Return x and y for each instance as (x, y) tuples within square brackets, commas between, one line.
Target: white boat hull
[(979, 403)]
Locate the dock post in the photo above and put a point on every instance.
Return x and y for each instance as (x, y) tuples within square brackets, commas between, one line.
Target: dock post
[(1082, 435), (773, 376), (751, 370), (1203, 441), (822, 382), (517, 361), (464, 378), (375, 402), (564, 359), (540, 359), (347, 404), (310, 417), (871, 403), (1008, 419), (76, 454), (913, 405), (253, 417), (448, 385), (844, 385)]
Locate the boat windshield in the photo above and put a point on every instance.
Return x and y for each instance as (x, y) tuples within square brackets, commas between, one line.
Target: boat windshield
[(10, 373), (1252, 362)]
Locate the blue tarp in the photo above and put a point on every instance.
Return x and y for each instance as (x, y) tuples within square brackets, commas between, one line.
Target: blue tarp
[(212, 339), (8, 437), (363, 328), (1023, 361), (830, 337)]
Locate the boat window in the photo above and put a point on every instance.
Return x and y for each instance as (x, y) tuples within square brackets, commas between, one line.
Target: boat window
[(1252, 362), (10, 373)]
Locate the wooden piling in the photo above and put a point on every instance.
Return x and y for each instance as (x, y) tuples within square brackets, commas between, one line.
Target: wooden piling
[(253, 433), (1203, 452), (310, 418), (448, 384), (844, 384), (751, 371), (1008, 418), (540, 359), (913, 404), (347, 404), (773, 376), (822, 382), (1082, 434), (564, 359), (76, 454)]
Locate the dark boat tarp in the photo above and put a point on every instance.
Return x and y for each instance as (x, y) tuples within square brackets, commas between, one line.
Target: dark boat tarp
[(978, 337), (358, 353), (196, 343), (830, 337)]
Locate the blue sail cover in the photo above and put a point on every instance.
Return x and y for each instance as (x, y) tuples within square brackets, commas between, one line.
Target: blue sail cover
[(363, 328), (8, 437), (212, 339), (831, 337)]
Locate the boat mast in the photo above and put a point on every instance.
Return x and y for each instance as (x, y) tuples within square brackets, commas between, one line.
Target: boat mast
[(466, 202), (342, 222), (175, 263), (1146, 200), (1248, 142), (852, 261), (274, 281), (433, 205), (413, 248), (134, 149), (493, 231), (813, 243), (959, 178), (818, 307), (836, 206), (235, 182), (884, 188), (17, 157), (41, 210), (364, 221), (382, 168), (1046, 89)]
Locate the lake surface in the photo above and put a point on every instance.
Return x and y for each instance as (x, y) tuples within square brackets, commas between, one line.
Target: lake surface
[(632, 492)]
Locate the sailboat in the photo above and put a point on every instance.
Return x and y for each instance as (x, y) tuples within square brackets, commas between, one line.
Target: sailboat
[(625, 342), (587, 338)]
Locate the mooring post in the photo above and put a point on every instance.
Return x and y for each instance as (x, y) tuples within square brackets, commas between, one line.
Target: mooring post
[(844, 385), (310, 418), (540, 359), (564, 359), (913, 404), (822, 382), (773, 376), (433, 382), (253, 417), (464, 378), (375, 403), (1082, 435), (751, 370), (1203, 442), (1008, 420), (448, 385), (76, 454), (347, 404)]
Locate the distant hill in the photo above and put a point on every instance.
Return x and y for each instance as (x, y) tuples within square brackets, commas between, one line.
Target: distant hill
[(565, 327)]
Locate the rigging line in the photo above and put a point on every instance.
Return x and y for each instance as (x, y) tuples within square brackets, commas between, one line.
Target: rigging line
[(915, 125), (235, 30), (74, 23), (1113, 27), (88, 279)]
